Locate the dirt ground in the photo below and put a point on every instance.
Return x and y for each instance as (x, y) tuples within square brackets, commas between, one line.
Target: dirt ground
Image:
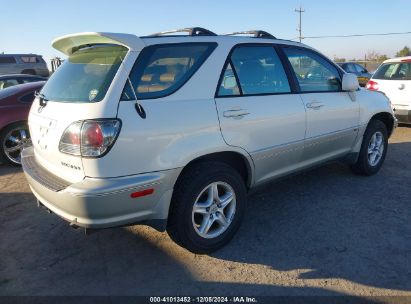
[(324, 232)]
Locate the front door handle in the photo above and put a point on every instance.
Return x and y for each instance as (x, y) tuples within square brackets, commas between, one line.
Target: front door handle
[(315, 105), (237, 113)]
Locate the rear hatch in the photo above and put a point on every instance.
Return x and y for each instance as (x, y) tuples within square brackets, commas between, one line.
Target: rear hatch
[(86, 86), (394, 79)]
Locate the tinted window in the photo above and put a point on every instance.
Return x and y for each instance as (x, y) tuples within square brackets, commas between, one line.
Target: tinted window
[(229, 85), (259, 70), (359, 68), (29, 97), (162, 69), (349, 68), (394, 71), (314, 73), (7, 59), (86, 75)]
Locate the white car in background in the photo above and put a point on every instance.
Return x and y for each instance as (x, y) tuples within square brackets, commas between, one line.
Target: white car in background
[(393, 78)]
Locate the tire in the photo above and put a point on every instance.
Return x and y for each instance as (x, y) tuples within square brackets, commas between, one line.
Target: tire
[(376, 130), (194, 188), (18, 131)]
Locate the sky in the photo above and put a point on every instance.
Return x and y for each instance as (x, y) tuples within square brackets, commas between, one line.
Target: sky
[(30, 26)]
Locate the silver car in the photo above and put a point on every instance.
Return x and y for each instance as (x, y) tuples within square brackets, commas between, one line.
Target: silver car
[(172, 131), (23, 64)]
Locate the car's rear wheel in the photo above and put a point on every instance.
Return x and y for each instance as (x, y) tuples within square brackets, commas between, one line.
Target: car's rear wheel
[(12, 139), (373, 150), (208, 204)]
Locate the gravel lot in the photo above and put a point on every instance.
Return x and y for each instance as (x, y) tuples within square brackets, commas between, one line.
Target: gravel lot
[(324, 232)]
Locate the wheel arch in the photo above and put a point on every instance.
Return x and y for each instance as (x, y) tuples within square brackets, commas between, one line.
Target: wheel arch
[(387, 119), (241, 163), (11, 123)]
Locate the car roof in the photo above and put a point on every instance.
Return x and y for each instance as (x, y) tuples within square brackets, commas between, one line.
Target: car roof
[(398, 59), (70, 43), (220, 38)]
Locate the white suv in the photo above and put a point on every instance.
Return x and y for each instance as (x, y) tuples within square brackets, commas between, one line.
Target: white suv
[(173, 130), (393, 78)]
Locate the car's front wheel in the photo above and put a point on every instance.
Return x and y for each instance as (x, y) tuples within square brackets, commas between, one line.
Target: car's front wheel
[(373, 150), (208, 204)]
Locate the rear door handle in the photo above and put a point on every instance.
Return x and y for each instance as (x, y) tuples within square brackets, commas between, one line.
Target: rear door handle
[(315, 105), (237, 113)]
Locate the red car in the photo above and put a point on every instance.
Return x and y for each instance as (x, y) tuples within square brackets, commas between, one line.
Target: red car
[(15, 103)]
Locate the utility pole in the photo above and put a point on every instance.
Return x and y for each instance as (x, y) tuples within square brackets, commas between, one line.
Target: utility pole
[(299, 29)]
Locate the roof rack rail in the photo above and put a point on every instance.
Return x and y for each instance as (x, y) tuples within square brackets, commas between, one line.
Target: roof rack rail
[(192, 31), (254, 33)]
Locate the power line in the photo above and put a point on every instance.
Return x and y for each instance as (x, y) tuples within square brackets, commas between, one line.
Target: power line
[(299, 29), (355, 35)]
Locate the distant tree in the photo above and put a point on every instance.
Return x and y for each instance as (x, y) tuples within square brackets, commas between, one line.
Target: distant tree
[(382, 58), (372, 55), (375, 56), (336, 59), (404, 52)]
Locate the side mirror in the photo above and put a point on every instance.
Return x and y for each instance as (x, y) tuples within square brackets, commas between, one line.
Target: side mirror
[(350, 82), (229, 82)]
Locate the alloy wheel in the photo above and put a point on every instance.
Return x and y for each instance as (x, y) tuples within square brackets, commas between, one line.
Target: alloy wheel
[(14, 142), (214, 210)]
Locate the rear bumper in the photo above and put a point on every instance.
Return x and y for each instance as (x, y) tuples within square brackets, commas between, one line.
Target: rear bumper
[(102, 203), (403, 116)]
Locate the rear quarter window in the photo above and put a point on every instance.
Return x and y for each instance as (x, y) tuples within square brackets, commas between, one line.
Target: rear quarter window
[(160, 70)]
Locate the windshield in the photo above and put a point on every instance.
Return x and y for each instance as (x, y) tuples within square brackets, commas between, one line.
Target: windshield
[(394, 71), (86, 75)]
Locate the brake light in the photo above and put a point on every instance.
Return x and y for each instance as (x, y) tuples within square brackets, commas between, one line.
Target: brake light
[(89, 138), (406, 60), (372, 85), (93, 135)]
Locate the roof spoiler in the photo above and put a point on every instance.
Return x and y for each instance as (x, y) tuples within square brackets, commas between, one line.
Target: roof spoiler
[(70, 43)]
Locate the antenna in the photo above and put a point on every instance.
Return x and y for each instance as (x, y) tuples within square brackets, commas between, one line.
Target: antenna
[(299, 29)]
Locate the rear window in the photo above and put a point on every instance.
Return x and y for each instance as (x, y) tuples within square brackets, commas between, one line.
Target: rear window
[(394, 71), (7, 59), (86, 75), (160, 70)]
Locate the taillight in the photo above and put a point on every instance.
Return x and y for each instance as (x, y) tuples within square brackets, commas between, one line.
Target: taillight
[(89, 138), (372, 85)]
